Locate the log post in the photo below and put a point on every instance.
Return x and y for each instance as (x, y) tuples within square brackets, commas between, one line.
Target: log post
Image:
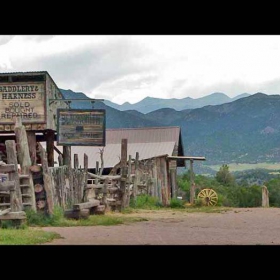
[(60, 160), (50, 147), (24, 157), (31, 138), (265, 197), (104, 197), (128, 182), (76, 186), (192, 187), (96, 172), (84, 198), (123, 171), (76, 161), (16, 198), (48, 183), (67, 155), (102, 161), (136, 177), (173, 182)]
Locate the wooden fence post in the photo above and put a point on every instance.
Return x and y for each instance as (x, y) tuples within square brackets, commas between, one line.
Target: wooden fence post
[(67, 155), (192, 187), (123, 171), (136, 179), (48, 183), (128, 181), (265, 197)]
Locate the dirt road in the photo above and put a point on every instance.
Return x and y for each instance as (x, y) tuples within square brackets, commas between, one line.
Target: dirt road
[(238, 226)]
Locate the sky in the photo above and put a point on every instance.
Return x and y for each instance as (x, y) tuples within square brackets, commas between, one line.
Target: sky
[(128, 68)]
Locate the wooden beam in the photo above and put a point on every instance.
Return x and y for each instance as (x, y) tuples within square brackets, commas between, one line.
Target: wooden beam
[(50, 147), (7, 168), (103, 177), (57, 150), (4, 212), (86, 205), (21, 215), (31, 138)]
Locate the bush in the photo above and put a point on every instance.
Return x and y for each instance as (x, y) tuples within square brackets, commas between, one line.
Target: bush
[(176, 203), (145, 201), (41, 219)]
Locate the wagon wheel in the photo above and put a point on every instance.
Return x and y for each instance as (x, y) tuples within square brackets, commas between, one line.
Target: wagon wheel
[(208, 197)]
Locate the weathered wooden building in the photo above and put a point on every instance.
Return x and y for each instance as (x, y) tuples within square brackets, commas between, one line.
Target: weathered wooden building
[(28, 114), (35, 98)]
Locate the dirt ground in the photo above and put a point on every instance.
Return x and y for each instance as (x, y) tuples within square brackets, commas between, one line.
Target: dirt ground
[(237, 226)]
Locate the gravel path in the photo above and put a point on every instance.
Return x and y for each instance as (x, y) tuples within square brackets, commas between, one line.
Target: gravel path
[(238, 226)]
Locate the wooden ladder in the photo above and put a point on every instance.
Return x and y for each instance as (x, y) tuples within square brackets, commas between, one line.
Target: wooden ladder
[(25, 191)]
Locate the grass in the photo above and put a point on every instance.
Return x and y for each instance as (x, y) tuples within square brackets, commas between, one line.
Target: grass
[(27, 236), (146, 202), (247, 166), (58, 220)]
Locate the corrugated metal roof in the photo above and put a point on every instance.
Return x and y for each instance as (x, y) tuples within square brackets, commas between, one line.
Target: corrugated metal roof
[(143, 135), (112, 152), (148, 142)]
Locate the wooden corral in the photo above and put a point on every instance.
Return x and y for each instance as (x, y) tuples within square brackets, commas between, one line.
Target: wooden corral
[(154, 147)]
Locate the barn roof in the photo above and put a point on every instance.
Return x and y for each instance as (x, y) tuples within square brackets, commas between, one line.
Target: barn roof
[(148, 142)]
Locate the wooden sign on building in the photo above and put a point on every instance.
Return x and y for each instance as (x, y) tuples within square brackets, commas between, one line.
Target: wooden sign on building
[(81, 127), (27, 95)]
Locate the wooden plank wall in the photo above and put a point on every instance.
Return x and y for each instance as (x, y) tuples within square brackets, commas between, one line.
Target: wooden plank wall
[(68, 185), (154, 172)]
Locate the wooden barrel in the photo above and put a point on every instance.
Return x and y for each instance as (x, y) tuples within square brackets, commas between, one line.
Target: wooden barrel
[(38, 188), (41, 204), (35, 168)]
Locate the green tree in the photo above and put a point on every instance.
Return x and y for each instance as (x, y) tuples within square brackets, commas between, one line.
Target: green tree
[(224, 177)]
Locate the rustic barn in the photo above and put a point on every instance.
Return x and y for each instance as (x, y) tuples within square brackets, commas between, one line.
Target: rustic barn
[(154, 145)]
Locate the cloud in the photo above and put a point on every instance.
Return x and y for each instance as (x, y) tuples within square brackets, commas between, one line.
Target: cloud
[(37, 38), (87, 67), (4, 39), (270, 87)]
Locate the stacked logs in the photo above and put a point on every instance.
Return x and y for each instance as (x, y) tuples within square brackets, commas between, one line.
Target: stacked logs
[(40, 193)]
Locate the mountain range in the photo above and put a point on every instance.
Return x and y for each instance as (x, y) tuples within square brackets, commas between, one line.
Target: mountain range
[(245, 130), (150, 104)]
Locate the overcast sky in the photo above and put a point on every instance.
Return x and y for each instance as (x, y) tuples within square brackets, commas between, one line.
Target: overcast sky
[(129, 68)]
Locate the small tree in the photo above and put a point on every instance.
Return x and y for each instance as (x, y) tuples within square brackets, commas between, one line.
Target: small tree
[(224, 177)]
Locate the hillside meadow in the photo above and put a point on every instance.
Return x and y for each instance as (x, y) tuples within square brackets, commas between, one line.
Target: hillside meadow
[(248, 166)]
